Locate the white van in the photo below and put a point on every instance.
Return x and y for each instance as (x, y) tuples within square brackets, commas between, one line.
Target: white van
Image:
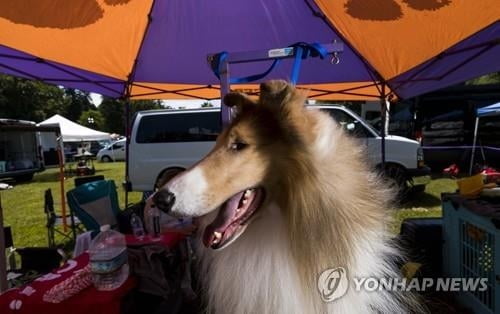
[(168, 140), (112, 152)]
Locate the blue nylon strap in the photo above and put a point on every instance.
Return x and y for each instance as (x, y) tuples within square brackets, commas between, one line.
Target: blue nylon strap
[(302, 51), (217, 68), (296, 65)]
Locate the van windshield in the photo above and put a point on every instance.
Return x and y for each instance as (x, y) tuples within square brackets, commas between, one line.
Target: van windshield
[(179, 127)]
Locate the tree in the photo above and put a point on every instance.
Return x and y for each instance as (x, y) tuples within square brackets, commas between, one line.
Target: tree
[(113, 112), (92, 118), (492, 78), (30, 100), (78, 102)]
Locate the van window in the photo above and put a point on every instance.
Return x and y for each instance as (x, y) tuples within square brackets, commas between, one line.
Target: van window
[(179, 127), (350, 125)]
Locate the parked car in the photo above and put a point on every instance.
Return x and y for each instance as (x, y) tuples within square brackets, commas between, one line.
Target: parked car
[(170, 140), (112, 152)]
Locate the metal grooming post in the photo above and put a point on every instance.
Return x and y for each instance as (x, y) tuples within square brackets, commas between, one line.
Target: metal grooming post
[(256, 56)]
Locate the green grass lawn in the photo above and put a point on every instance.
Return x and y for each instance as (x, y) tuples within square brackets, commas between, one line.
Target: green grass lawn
[(426, 204), (23, 206)]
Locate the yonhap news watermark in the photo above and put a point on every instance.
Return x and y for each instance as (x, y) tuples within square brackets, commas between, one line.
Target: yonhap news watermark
[(333, 283)]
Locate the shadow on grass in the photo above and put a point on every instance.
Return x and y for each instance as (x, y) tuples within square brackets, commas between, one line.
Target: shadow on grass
[(420, 199), (54, 176)]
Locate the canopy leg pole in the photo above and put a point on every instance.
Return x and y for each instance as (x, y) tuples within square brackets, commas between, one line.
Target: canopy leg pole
[(127, 143), (3, 258), (473, 146), (383, 117), (61, 182), (225, 88)]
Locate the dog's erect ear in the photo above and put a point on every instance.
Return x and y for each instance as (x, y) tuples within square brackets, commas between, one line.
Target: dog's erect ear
[(281, 95), (237, 100)]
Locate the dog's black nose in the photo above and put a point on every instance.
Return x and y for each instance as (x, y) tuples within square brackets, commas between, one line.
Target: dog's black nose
[(164, 200)]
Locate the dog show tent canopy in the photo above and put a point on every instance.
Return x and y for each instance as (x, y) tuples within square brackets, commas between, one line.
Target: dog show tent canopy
[(158, 49), (74, 132), (491, 110), (488, 111)]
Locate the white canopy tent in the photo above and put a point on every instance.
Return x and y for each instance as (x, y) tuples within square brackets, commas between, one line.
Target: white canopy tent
[(74, 132)]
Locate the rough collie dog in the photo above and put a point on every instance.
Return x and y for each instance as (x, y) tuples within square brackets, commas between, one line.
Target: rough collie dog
[(283, 196)]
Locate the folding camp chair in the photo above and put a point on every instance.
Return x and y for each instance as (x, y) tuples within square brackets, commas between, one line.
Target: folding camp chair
[(82, 180), (54, 221), (95, 204)]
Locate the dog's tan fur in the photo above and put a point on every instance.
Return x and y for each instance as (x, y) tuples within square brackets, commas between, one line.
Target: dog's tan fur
[(334, 209)]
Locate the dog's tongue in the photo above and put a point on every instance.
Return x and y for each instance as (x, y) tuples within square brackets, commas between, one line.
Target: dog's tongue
[(224, 218)]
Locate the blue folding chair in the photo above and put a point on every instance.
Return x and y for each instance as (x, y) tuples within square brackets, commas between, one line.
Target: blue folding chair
[(95, 204)]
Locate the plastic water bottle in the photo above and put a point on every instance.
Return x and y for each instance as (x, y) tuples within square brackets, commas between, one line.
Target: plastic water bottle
[(137, 227), (108, 259)]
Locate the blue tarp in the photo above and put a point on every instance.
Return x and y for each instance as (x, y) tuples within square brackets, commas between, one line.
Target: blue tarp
[(490, 110)]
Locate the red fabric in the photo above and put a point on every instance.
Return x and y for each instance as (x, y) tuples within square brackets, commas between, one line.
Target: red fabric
[(88, 301)]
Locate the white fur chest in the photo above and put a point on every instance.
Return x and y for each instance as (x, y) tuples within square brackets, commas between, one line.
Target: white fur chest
[(255, 274)]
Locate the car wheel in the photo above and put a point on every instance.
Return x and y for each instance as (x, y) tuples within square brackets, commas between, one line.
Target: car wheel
[(24, 177), (106, 159)]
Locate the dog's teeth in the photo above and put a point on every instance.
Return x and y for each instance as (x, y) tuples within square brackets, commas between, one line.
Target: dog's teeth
[(217, 238), (245, 201), (248, 192)]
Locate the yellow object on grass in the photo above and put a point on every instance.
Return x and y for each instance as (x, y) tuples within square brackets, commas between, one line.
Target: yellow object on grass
[(410, 269), (471, 186)]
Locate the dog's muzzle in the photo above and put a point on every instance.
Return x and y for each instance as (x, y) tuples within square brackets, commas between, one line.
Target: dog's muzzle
[(164, 200)]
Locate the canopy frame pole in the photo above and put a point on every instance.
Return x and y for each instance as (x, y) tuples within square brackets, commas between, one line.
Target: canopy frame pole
[(127, 148), (3, 258), (473, 146), (225, 88), (383, 117), (256, 56), (60, 159)]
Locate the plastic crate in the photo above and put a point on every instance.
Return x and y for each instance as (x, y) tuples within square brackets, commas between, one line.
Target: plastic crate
[(471, 249)]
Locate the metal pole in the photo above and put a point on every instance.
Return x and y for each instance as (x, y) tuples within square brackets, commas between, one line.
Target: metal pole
[(473, 146), (3, 258), (61, 183), (127, 143), (383, 108), (224, 90)]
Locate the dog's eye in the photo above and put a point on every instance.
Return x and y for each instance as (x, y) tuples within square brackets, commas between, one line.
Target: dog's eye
[(237, 146)]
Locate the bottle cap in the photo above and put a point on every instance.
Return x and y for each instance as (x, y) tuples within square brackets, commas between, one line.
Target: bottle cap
[(105, 228)]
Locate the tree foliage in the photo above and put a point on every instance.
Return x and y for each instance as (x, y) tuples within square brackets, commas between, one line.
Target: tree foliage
[(93, 119), (113, 112), (492, 78), (30, 100), (36, 101)]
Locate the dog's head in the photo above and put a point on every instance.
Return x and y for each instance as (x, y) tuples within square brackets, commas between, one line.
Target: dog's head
[(240, 174)]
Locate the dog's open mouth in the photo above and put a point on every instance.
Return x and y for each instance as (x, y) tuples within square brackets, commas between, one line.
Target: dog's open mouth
[(233, 217)]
